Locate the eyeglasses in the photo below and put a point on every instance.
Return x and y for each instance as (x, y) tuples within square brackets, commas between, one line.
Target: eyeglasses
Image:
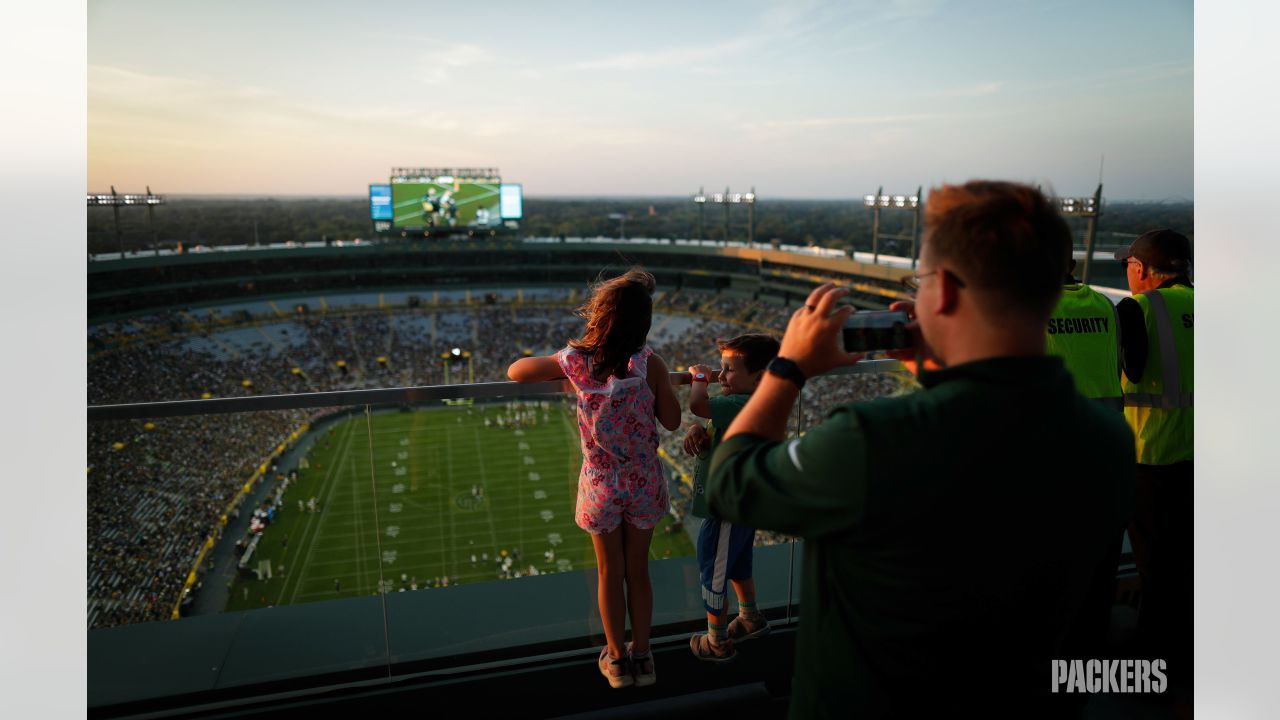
[(912, 282)]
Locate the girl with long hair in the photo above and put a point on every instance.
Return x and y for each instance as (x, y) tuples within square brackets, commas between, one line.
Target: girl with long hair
[(623, 391)]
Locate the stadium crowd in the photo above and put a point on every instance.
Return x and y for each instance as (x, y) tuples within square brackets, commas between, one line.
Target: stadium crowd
[(157, 489)]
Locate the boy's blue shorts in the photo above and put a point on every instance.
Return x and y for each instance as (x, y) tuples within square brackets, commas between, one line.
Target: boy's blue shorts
[(724, 554)]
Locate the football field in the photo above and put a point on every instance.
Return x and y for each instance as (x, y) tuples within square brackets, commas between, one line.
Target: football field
[(409, 498)]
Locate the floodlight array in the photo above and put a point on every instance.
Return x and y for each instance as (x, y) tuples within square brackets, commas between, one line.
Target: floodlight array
[(108, 199), (1078, 206), (748, 198), (425, 174), (891, 201)]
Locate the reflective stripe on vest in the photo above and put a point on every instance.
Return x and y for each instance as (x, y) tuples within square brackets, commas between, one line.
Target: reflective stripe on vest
[(1115, 403), (1115, 315), (1169, 401), (1171, 380)]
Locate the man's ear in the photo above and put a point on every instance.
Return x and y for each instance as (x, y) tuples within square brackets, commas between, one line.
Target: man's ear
[(948, 294), (1143, 271)]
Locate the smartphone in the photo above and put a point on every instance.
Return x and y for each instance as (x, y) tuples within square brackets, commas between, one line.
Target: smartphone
[(876, 330)]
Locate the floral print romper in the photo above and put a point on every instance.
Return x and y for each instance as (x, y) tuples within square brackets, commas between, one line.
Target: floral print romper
[(621, 476)]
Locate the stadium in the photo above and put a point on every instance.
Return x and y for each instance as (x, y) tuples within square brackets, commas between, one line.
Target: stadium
[(312, 487), (308, 429), (338, 461)]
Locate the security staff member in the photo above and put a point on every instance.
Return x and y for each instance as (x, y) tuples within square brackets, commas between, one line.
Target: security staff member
[(951, 534), (1157, 326), (1083, 331)]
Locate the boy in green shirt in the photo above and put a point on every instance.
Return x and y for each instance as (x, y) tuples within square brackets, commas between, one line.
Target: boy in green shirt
[(724, 548)]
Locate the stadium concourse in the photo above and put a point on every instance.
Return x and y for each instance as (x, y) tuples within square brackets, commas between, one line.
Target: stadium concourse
[(156, 491)]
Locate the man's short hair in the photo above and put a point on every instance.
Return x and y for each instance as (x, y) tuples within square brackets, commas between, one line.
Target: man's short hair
[(756, 349), (1004, 240)]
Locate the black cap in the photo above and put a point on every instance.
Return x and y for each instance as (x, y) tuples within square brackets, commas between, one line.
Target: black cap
[(1160, 249)]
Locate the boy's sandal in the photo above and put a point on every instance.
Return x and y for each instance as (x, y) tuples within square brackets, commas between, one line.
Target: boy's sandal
[(741, 629), (703, 649)]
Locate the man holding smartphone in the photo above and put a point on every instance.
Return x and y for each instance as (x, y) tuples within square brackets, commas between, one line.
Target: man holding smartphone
[(951, 534)]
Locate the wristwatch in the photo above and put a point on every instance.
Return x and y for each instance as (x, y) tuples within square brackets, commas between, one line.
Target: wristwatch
[(787, 370), (700, 377)]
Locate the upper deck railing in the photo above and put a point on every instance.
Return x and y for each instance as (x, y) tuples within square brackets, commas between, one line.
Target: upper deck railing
[(319, 634), (318, 641), (381, 396)]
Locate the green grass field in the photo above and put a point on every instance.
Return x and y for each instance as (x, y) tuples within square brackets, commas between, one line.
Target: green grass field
[(406, 201), (414, 515)]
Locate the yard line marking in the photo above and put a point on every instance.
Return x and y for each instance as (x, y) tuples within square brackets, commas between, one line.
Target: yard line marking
[(355, 502), (308, 530), (488, 505), (433, 460), (415, 552), (448, 459), (464, 527), (313, 528), (324, 514)]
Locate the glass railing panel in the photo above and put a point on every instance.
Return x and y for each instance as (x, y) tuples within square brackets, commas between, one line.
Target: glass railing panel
[(169, 499), (476, 509), (208, 520), (771, 568), (440, 532), (322, 539), (865, 381)]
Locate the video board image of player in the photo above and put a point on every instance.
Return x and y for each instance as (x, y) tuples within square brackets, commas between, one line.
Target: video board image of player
[(445, 204)]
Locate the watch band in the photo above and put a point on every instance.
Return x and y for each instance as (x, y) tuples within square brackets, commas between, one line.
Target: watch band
[(787, 370), (700, 377)]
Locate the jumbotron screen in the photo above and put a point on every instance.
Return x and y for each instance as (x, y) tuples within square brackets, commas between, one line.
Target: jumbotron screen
[(446, 203), (379, 202)]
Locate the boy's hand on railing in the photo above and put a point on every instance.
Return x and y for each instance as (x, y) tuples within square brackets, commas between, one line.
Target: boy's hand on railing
[(696, 441), (712, 375)]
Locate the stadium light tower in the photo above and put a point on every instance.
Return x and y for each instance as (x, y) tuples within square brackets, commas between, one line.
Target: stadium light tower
[(879, 202), (116, 201), (1086, 207), (622, 224), (701, 200), (727, 199)]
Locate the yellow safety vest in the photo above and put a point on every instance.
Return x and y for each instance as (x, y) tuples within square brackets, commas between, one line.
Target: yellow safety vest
[(1159, 407), (1083, 330)]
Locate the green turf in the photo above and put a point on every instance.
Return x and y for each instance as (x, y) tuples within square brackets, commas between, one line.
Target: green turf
[(418, 518), (406, 201)]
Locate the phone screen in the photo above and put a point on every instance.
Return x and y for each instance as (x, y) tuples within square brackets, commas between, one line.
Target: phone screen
[(877, 330)]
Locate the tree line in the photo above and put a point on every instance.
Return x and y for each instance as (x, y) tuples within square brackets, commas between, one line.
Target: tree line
[(829, 223)]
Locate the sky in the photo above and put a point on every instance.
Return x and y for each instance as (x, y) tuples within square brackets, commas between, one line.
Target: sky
[(797, 99)]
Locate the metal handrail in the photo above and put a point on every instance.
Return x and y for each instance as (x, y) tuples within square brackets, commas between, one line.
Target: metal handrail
[(380, 396)]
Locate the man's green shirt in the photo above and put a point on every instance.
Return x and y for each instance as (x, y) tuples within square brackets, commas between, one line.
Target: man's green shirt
[(950, 536), (724, 408)]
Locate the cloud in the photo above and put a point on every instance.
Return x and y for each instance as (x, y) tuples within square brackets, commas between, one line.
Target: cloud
[(1133, 75), (185, 107), (670, 57), (438, 65), (850, 120), (108, 82), (989, 88), (777, 26), (909, 9)]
